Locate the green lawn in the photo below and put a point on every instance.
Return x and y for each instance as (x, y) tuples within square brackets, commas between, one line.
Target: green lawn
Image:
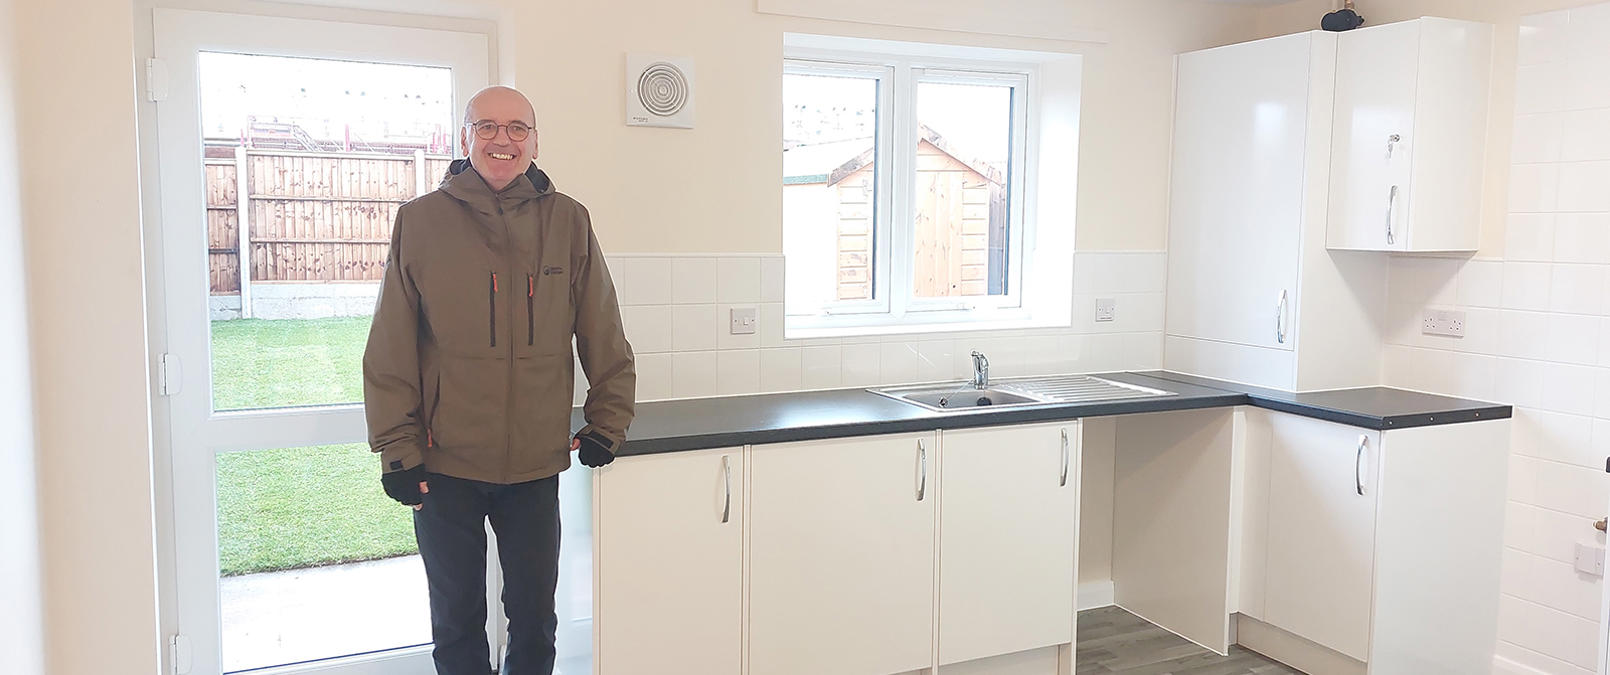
[(298, 507)]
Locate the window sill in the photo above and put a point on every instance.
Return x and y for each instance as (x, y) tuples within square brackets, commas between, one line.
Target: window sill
[(860, 327)]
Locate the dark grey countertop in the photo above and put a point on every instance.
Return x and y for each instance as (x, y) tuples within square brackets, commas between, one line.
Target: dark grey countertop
[(690, 424)]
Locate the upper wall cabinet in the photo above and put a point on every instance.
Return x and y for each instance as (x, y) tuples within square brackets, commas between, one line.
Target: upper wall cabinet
[(1408, 136)]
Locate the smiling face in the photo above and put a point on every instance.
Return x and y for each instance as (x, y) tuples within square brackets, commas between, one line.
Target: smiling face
[(500, 159)]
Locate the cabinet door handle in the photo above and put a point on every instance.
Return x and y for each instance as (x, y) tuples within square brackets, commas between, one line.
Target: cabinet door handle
[(1280, 318), (1358, 464), (726, 482), (1064, 481), (1391, 205), (922, 470)]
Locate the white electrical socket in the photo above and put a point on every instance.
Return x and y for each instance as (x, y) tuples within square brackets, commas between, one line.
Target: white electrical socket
[(1590, 559), (1446, 322), (1106, 309), (743, 321)]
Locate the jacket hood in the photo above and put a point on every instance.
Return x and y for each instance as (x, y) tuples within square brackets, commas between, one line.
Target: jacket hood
[(463, 183)]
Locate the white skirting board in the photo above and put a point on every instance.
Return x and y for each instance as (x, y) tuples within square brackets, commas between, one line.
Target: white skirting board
[(1095, 595)]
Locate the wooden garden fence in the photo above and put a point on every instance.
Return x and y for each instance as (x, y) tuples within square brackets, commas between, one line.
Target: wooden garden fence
[(306, 218)]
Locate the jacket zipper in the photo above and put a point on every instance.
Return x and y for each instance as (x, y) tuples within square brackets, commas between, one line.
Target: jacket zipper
[(492, 309), (508, 393), (530, 311)]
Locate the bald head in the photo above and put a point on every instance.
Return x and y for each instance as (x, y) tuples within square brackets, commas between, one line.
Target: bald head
[(499, 96), (502, 158)]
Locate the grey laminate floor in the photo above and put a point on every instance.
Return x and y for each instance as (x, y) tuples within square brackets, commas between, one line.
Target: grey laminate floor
[(1112, 640)]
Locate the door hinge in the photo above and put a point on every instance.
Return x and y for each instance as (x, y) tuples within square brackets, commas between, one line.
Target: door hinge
[(179, 654), (169, 374), (156, 80)]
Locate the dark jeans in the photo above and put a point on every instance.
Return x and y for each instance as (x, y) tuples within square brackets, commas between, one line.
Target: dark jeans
[(452, 541)]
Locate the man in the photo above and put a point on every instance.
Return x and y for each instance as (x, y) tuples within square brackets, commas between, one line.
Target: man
[(468, 380)]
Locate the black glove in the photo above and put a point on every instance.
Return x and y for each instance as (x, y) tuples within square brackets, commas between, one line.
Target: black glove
[(403, 486), (594, 450)]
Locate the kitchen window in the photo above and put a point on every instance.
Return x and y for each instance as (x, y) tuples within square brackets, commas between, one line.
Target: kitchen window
[(908, 183)]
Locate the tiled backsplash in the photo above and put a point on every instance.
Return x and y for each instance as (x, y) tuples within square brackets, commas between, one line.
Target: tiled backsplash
[(676, 311), (1537, 336)]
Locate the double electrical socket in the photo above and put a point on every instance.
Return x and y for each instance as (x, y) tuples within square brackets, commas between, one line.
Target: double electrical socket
[(1447, 322), (1106, 309)]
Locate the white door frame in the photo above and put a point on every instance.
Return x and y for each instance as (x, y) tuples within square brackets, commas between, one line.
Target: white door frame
[(1604, 612), (178, 315)]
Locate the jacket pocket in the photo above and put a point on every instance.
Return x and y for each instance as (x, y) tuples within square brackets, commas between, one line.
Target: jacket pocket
[(543, 388), (530, 310), (492, 309), (469, 421)]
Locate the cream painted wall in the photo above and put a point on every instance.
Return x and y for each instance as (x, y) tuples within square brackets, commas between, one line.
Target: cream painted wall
[(87, 320), (716, 188), (1505, 15), (21, 639)]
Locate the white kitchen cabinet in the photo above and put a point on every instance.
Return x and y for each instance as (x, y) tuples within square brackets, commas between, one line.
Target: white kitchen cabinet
[(1240, 125), (1253, 296), (1321, 531), (841, 555), (669, 565), (1396, 581), (1409, 135), (1008, 509)]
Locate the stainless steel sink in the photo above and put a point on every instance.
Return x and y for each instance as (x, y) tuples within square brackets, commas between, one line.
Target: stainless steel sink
[(1017, 393), (962, 396)]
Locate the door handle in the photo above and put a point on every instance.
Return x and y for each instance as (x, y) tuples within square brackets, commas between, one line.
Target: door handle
[(1064, 481), (1358, 464), (1391, 205), (1601, 524), (1280, 318), (922, 470), (726, 482)]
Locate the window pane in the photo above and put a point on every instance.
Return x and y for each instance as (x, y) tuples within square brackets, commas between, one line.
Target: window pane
[(964, 141), (314, 560), (829, 196), (306, 161)]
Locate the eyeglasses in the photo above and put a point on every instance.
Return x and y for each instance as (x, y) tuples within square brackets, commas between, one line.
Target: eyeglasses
[(488, 130)]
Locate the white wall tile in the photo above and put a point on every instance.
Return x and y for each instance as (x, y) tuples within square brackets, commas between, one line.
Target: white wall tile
[(1482, 329), (1536, 138), (1549, 631), (641, 281), (1133, 313), (648, 327), (1551, 583), (1519, 382), (1533, 188), (780, 369), (693, 281), (1527, 285), (1425, 280), (772, 281), (693, 327), (1573, 339), (1542, 88), (1525, 334), (1585, 135), (1547, 533), (859, 365), (738, 280), (898, 362), (653, 377), (1582, 237), (693, 374), (738, 371), (1577, 289), (1562, 487), (1528, 237), (1554, 436), (1543, 38), (936, 361), (1513, 659), (1583, 184), (1481, 283), (1585, 82), (771, 324), (820, 367), (724, 337)]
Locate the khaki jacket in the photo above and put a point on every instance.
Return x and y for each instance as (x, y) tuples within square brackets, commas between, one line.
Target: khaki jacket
[(468, 368)]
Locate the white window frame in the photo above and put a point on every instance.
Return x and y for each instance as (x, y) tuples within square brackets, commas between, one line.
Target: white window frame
[(894, 307)]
